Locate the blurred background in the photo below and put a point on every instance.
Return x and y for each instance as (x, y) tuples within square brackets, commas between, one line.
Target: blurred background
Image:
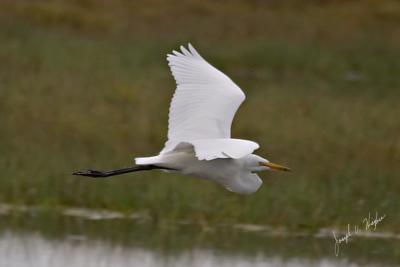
[(85, 84)]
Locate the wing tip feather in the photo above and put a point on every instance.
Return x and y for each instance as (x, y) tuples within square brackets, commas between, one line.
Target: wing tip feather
[(190, 51)]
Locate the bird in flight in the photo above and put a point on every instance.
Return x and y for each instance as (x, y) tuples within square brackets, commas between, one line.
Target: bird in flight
[(199, 130)]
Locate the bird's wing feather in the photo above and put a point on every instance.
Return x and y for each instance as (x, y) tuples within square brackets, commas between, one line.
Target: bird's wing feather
[(209, 149), (205, 100)]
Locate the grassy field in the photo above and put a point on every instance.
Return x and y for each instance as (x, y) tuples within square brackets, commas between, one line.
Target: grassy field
[(85, 84)]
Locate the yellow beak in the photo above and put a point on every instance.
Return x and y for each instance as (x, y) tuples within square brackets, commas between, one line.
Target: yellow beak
[(275, 166)]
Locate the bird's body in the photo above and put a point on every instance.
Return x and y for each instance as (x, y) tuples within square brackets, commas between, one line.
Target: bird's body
[(199, 129), (233, 173)]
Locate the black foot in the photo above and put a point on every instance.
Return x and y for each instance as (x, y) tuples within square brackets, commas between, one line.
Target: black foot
[(91, 173)]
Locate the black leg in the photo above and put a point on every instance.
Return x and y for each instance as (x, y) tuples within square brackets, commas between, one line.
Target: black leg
[(103, 174)]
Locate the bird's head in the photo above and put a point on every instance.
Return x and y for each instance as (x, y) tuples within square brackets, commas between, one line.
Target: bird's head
[(256, 163)]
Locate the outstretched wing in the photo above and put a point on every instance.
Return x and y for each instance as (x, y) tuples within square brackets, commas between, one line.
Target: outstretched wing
[(209, 149), (205, 100)]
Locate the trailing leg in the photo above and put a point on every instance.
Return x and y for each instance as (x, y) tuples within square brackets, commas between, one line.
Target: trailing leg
[(103, 174)]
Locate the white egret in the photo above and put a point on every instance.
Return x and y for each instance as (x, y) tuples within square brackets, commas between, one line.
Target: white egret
[(199, 130)]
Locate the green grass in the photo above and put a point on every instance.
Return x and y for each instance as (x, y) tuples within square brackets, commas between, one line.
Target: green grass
[(85, 84)]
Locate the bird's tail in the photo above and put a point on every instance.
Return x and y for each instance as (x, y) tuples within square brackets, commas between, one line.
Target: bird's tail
[(147, 160)]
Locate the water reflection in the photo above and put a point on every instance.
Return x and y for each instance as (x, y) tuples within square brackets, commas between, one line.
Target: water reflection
[(48, 239), (34, 250)]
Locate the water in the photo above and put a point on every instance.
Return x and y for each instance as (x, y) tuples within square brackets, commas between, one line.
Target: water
[(52, 240)]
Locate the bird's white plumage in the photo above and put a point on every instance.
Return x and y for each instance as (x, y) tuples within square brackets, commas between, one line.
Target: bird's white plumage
[(199, 127), (209, 149), (199, 130), (236, 175), (204, 103)]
